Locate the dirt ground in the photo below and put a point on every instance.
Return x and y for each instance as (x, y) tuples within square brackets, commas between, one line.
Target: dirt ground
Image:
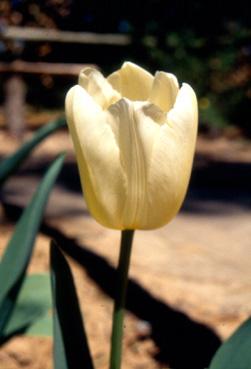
[(190, 280)]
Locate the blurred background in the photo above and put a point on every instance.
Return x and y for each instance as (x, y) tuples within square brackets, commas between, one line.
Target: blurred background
[(190, 287), (206, 44)]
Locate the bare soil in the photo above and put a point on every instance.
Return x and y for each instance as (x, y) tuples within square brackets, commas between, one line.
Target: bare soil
[(190, 280)]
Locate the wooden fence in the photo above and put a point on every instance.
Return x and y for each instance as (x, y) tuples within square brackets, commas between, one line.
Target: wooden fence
[(15, 88)]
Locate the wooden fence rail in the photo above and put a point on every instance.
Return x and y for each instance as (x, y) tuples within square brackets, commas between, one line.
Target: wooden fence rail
[(53, 35), (15, 89), (63, 69)]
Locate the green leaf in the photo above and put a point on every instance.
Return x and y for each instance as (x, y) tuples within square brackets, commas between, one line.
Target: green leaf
[(10, 164), (18, 252), (71, 349), (235, 353), (41, 327), (33, 302)]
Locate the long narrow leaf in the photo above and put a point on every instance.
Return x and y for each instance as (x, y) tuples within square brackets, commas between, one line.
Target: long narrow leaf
[(71, 349), (17, 255), (10, 164), (42, 327), (33, 304), (235, 353)]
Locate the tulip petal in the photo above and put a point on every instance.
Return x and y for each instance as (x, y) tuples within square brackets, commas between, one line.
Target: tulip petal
[(98, 158), (98, 87), (172, 158), (164, 90), (134, 137), (135, 134), (166, 180), (132, 82), (184, 115)]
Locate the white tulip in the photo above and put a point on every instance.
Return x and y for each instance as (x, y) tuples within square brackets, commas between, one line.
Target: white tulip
[(134, 136)]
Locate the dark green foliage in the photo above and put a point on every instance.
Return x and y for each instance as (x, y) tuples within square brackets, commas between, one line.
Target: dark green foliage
[(71, 349), (19, 250), (235, 353), (9, 165), (216, 65), (31, 308)]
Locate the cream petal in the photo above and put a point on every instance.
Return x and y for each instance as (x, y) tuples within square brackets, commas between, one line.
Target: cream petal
[(98, 87), (132, 81), (164, 90), (135, 134), (171, 161), (134, 158), (98, 158), (155, 113), (184, 115), (169, 176)]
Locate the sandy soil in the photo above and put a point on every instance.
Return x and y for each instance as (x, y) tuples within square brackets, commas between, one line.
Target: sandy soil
[(189, 284)]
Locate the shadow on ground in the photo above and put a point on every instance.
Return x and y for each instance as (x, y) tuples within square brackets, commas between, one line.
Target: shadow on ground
[(182, 342), (216, 187)]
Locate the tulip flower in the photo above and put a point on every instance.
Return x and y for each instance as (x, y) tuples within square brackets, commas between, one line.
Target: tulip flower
[(134, 136)]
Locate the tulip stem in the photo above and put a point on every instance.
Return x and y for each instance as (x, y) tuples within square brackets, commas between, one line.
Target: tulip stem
[(120, 298)]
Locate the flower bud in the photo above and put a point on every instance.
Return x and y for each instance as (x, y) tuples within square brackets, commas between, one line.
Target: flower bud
[(134, 135)]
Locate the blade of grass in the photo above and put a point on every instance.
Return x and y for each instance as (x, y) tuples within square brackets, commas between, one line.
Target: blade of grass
[(18, 252), (71, 350), (10, 164)]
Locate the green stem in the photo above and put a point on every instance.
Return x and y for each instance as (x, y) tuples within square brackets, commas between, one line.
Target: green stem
[(120, 298)]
